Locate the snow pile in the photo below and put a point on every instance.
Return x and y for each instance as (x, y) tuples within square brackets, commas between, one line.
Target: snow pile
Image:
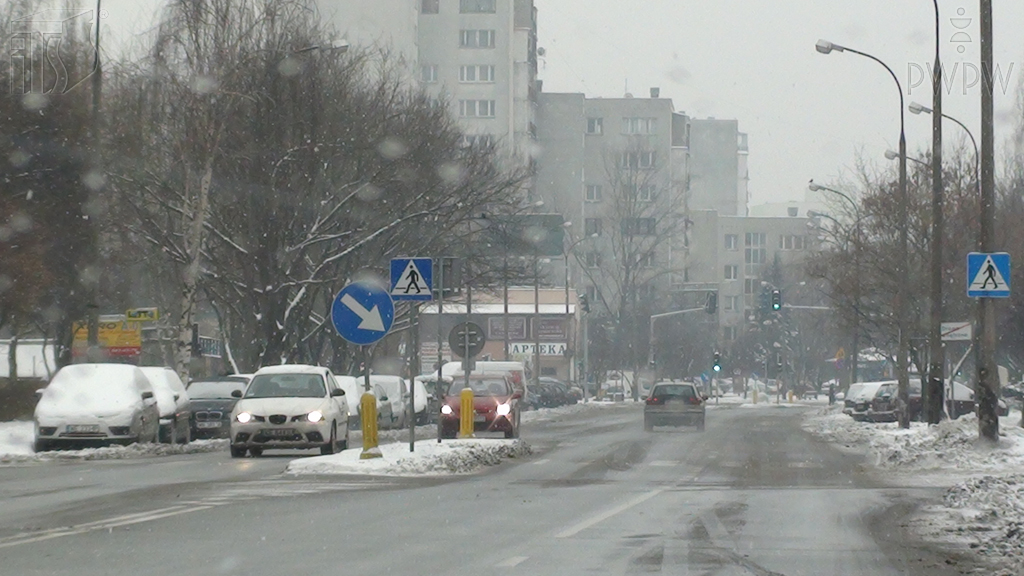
[(952, 444), (16, 447), (546, 414), (429, 459)]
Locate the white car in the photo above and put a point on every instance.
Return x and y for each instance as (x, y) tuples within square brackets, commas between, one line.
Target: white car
[(87, 404), (385, 419), (353, 388), (396, 393), (173, 401), (290, 406)]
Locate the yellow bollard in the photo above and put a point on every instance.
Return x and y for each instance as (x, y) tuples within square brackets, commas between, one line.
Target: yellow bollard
[(755, 395), (466, 413), (790, 394), (368, 417)]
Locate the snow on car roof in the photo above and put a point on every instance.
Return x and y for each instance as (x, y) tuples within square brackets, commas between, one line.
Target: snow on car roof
[(291, 369)]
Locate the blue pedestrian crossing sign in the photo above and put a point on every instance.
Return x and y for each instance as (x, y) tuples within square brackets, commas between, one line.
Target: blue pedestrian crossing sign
[(412, 279), (362, 313), (988, 275)]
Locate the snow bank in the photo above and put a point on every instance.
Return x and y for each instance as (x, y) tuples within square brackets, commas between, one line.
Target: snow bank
[(16, 447), (952, 444), (546, 414), (429, 459)]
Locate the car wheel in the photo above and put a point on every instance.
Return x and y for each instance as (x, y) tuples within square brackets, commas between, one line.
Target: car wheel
[(448, 434), (238, 452), (648, 426), (700, 425), (256, 452), (343, 445), (41, 446), (187, 436), (332, 445)]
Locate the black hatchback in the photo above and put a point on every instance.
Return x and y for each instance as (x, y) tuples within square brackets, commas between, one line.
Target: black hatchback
[(211, 403)]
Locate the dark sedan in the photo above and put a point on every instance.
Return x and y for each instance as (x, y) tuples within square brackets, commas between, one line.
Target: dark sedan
[(211, 403)]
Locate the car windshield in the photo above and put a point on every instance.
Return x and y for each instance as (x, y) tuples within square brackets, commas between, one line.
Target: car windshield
[(480, 387), (214, 389), (684, 391), (286, 386)]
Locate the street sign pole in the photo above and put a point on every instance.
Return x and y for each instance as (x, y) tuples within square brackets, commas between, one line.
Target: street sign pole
[(439, 387), (413, 356), (467, 358)]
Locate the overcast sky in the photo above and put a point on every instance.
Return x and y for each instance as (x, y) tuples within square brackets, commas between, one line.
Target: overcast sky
[(808, 115)]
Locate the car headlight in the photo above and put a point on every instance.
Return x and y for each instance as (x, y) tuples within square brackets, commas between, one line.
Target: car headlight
[(503, 409), (243, 417), (446, 409), (315, 416)]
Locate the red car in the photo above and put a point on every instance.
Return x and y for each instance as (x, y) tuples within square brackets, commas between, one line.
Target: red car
[(495, 405)]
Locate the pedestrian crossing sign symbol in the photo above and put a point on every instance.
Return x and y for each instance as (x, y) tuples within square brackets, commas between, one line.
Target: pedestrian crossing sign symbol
[(988, 275), (412, 279)]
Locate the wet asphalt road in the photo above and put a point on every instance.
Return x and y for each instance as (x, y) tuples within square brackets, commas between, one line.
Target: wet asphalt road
[(753, 495)]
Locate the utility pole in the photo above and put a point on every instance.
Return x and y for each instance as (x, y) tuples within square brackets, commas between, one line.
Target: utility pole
[(933, 393), (988, 382), (92, 308)]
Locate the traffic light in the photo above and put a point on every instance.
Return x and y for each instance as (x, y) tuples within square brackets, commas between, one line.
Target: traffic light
[(711, 304), (717, 365), (778, 362), (776, 300), (766, 300), (584, 303)]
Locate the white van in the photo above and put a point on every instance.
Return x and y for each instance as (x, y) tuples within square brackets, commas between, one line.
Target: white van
[(515, 370)]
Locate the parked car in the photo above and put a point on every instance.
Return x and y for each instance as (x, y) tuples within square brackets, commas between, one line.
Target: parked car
[(396, 392), (385, 418), (516, 372), (560, 390), (496, 405), (290, 406), (850, 398), (210, 405), (674, 404), (91, 404), (865, 396), (354, 388), (173, 401), (429, 382)]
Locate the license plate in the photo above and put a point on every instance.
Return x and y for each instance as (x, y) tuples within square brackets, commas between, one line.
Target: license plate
[(208, 424), (83, 427), (677, 403), (480, 418), (287, 432)]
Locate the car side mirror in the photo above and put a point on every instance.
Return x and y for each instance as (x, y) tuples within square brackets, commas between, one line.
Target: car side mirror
[(39, 393), (337, 392), (147, 395), (236, 393), (383, 398), (177, 397), (643, 397)]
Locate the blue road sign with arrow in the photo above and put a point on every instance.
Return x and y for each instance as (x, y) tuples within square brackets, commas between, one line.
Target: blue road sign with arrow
[(988, 275), (363, 313), (412, 279)]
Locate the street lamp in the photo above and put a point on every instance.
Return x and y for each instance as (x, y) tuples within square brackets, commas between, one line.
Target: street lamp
[(855, 352), (916, 108), (902, 292), (893, 155)]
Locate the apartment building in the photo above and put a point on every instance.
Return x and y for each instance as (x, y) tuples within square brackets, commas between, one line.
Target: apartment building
[(477, 56)]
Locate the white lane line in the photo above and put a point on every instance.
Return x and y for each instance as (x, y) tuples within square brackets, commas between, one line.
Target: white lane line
[(574, 530), (541, 461), (101, 525), (805, 465), (512, 562), (665, 463)]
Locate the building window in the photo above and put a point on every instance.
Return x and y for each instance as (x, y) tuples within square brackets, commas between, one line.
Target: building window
[(593, 259), (476, 108), (751, 286), (647, 261), (755, 254), (791, 242), (645, 193), (481, 140), (477, 6), (731, 303), (430, 6), (645, 291), (638, 160), (476, 38), (755, 240), (428, 74), (638, 226), (639, 125), (592, 227), (593, 193), (732, 242), (474, 74), (595, 125), (593, 295), (793, 211), (732, 272), (729, 333)]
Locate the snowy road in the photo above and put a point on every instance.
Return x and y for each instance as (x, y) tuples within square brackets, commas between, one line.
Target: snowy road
[(754, 495)]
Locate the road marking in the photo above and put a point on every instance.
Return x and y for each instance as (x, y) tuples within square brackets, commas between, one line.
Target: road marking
[(805, 465), (574, 530), (512, 562), (541, 461), (665, 463), (107, 524)]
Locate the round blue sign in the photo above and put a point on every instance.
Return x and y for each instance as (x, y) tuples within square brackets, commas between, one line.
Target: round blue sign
[(363, 313)]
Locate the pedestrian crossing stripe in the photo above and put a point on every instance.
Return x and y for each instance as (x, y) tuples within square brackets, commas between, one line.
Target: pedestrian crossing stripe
[(987, 274), (411, 279)]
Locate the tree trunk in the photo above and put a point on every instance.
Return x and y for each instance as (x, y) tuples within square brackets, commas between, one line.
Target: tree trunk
[(12, 358), (193, 247)]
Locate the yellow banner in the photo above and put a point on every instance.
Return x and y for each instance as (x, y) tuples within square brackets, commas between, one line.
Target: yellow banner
[(117, 337)]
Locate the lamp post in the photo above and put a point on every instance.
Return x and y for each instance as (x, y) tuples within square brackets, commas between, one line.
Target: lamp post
[(568, 252), (902, 282), (916, 108), (855, 352), (988, 383), (934, 391)]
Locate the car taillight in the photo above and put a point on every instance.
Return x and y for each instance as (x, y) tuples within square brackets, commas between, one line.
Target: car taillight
[(695, 400), (653, 400)]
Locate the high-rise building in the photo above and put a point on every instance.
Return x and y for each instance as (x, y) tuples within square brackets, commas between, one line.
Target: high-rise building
[(477, 56)]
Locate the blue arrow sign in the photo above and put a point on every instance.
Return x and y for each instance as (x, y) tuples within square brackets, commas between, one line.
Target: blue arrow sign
[(362, 313), (412, 279), (988, 275)]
